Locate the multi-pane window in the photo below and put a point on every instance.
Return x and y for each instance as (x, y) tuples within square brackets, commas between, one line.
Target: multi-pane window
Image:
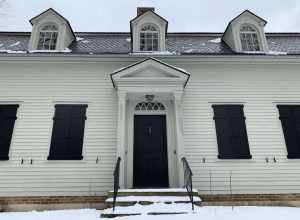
[(231, 132), (68, 132), (149, 38), (48, 37), (249, 38)]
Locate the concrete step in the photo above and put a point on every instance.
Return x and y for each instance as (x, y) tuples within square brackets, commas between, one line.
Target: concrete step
[(147, 200), (152, 192), (115, 215), (151, 209), (130, 197)]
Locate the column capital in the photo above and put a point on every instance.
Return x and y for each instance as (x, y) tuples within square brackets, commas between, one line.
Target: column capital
[(122, 95), (177, 95)]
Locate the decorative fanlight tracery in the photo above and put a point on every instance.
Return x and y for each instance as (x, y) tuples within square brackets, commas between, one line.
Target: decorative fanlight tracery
[(150, 106)]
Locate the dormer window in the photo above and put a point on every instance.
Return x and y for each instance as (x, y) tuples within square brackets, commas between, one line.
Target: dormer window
[(48, 37), (249, 38), (149, 38)]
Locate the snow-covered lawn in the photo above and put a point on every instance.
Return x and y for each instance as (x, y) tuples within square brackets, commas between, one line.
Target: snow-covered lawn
[(201, 213), (79, 214)]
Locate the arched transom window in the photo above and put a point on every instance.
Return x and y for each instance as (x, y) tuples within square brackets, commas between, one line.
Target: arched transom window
[(48, 37), (249, 38), (150, 106), (149, 38)]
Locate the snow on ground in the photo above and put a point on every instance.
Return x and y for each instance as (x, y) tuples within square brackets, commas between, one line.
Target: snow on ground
[(226, 213), (156, 207), (200, 213), (80, 214)]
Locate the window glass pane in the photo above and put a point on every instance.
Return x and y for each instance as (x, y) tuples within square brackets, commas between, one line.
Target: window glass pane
[(48, 38), (149, 38), (249, 39)]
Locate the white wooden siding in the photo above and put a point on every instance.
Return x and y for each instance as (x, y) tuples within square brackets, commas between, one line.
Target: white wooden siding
[(259, 88), (37, 87)]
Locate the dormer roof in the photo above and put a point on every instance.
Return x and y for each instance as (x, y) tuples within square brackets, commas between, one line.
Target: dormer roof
[(147, 15), (51, 11), (231, 36)]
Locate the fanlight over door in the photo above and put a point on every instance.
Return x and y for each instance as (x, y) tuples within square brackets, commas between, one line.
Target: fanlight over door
[(150, 106)]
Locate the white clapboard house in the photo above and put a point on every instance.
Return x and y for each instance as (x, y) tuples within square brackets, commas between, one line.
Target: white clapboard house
[(72, 103)]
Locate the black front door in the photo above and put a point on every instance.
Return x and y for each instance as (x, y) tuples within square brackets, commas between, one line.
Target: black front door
[(150, 163)]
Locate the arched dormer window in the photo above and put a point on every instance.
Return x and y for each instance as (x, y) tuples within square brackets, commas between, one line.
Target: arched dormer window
[(48, 37), (149, 38), (249, 38)]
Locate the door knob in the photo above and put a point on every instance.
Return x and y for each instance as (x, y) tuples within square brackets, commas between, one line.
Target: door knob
[(149, 130)]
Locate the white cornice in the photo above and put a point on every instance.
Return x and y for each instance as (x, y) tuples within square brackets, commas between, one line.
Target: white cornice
[(186, 59)]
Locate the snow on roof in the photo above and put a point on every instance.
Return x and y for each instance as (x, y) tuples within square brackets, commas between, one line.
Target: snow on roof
[(14, 44), (216, 40)]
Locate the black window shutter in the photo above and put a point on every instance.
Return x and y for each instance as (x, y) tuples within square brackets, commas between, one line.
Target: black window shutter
[(7, 121), (68, 132), (231, 132), (290, 121)]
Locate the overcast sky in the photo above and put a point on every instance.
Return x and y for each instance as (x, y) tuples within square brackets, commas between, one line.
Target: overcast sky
[(187, 15)]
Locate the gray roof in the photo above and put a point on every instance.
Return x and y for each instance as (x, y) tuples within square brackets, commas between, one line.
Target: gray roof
[(177, 43)]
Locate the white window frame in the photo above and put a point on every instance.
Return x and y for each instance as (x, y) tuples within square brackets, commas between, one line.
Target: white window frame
[(150, 35), (249, 38), (53, 37)]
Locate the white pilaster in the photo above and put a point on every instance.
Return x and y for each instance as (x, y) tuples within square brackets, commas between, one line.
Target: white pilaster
[(179, 134), (121, 134)]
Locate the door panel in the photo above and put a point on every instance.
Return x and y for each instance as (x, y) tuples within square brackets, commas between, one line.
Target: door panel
[(150, 165)]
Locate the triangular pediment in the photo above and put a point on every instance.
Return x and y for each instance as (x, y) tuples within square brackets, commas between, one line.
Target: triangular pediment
[(150, 70), (151, 15), (248, 15), (50, 15)]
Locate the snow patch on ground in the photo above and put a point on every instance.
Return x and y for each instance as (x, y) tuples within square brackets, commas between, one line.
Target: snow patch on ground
[(216, 40), (156, 207), (81, 214), (200, 213), (215, 213)]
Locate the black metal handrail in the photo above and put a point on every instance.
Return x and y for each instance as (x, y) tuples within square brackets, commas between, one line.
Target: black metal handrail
[(116, 181), (188, 180)]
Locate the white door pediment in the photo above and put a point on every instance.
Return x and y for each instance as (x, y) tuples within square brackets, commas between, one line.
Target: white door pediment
[(150, 70)]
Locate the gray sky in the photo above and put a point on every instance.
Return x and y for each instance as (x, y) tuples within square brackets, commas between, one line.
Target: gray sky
[(187, 15)]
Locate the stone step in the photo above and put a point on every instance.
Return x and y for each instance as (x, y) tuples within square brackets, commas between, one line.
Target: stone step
[(152, 192), (146, 200), (115, 215)]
